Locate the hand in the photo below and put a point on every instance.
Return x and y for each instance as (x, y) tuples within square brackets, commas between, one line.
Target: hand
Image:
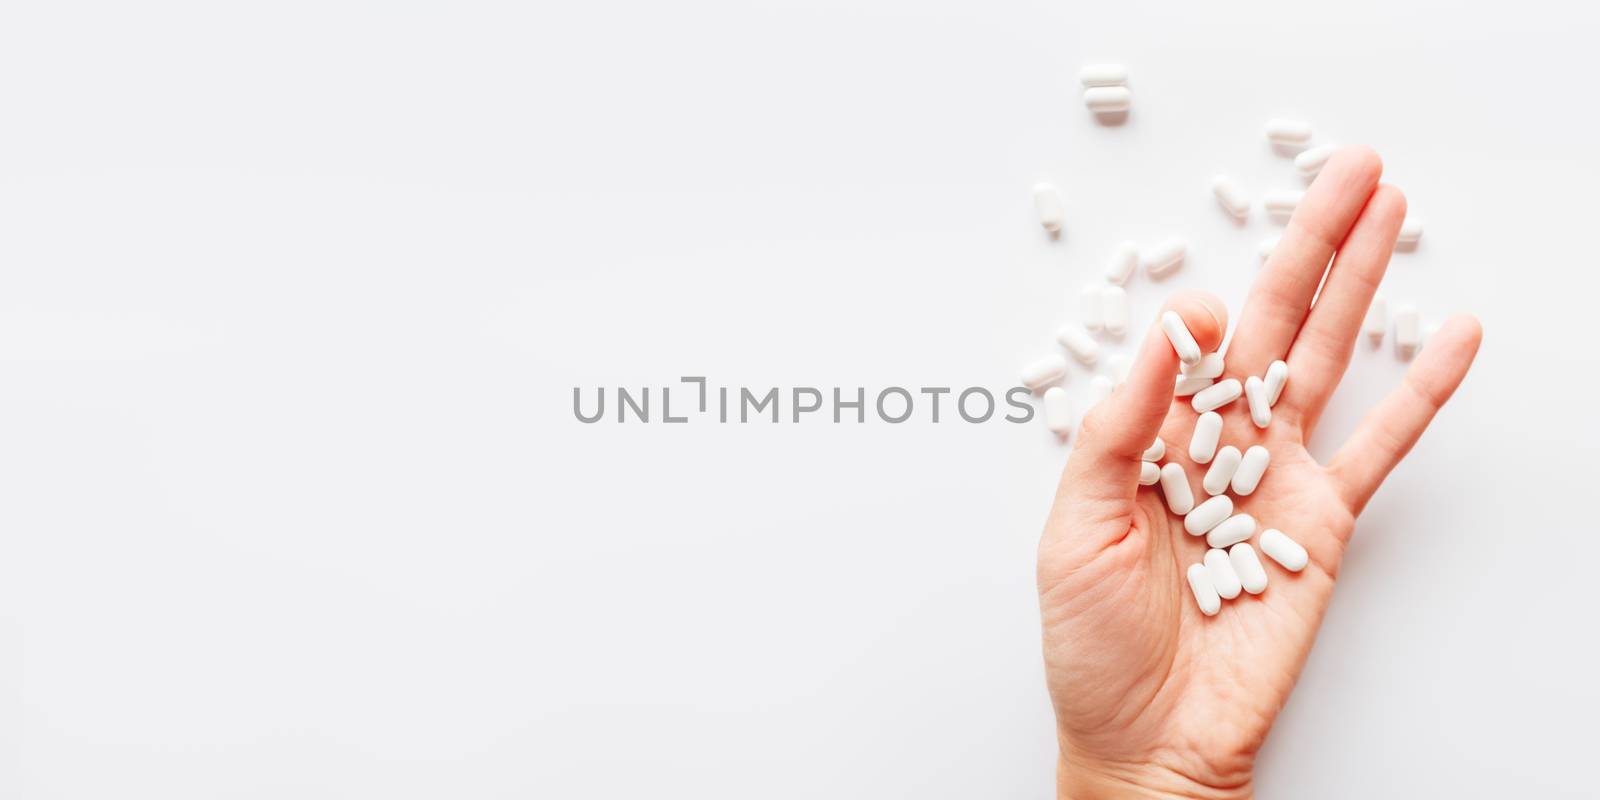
[(1152, 698)]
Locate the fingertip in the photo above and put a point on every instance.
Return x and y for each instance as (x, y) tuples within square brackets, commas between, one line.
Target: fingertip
[(1465, 329), (1389, 200), (1204, 314), (1358, 160)]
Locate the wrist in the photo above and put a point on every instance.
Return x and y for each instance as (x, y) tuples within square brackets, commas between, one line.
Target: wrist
[(1079, 778)]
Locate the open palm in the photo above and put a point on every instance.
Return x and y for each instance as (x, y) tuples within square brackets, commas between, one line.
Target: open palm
[(1151, 696)]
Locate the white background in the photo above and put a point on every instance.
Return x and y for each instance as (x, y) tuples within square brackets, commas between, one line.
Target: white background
[(293, 297)]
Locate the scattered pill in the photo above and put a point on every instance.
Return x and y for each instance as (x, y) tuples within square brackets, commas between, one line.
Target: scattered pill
[(1251, 468), (1107, 99), (1079, 343), (1205, 595), (1208, 515), (1115, 299), (1044, 372), (1252, 577), (1123, 262), (1210, 365), (1207, 429), (1288, 132), (1267, 246), (1277, 377), (1218, 395), (1231, 197), (1149, 473), (1428, 331), (1287, 552), (1100, 388), (1281, 205), (1166, 258), (1057, 411), (1223, 467), (1182, 340), (1175, 488), (1103, 75), (1377, 320), (1048, 200), (1223, 578), (1117, 365), (1187, 386), (1255, 393), (1407, 331), (1092, 307), (1232, 531), (1410, 230), (1155, 451), (1310, 162)]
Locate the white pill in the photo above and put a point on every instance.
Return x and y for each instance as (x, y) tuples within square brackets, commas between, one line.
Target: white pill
[(1149, 473), (1288, 132), (1175, 488), (1252, 577), (1092, 306), (1187, 386), (1232, 531), (1115, 299), (1407, 331), (1208, 515), (1210, 365), (1251, 468), (1107, 99), (1281, 205), (1117, 365), (1123, 262), (1377, 320), (1220, 394), (1266, 247), (1057, 410), (1311, 162), (1048, 200), (1287, 552), (1207, 429), (1100, 388), (1410, 230), (1182, 340), (1103, 75), (1044, 372), (1255, 393), (1079, 343), (1428, 331), (1223, 578), (1277, 378), (1231, 196), (1205, 595), (1165, 258), (1156, 451), (1223, 467)]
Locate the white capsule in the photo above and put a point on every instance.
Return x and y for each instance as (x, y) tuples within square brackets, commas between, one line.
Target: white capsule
[(1156, 451), (1223, 578), (1115, 299), (1407, 331), (1377, 320), (1182, 340), (1220, 394), (1123, 262), (1207, 429), (1252, 578), (1117, 365), (1092, 307), (1410, 230), (1103, 75), (1210, 365), (1057, 411), (1100, 388), (1222, 469), (1208, 515), (1107, 99), (1187, 386), (1311, 162), (1231, 197), (1044, 372), (1051, 212), (1287, 552), (1428, 331), (1255, 394), (1251, 468), (1149, 473), (1079, 343), (1266, 247), (1281, 205), (1232, 531), (1277, 378), (1205, 595), (1291, 132), (1175, 488), (1165, 258)]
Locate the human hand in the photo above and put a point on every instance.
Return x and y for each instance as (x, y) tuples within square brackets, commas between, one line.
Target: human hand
[(1152, 698)]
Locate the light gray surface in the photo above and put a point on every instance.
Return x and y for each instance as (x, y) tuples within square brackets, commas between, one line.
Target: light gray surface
[(293, 502)]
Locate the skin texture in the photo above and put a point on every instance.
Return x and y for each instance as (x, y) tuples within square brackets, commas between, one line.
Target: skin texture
[(1152, 698)]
